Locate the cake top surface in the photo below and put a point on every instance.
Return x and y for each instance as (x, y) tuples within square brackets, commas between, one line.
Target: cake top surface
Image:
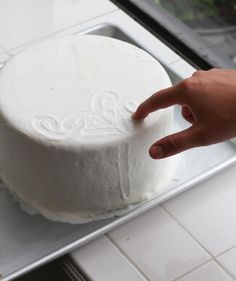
[(78, 88)]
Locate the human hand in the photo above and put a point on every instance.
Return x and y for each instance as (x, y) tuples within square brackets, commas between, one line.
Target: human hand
[(208, 101)]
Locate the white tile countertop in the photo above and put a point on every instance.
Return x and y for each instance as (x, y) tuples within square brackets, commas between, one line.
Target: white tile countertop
[(191, 237), (23, 21)]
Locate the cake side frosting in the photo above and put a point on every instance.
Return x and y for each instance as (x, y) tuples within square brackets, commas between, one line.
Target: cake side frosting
[(68, 143)]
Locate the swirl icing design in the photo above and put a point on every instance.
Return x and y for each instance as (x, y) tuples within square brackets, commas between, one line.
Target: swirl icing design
[(108, 115)]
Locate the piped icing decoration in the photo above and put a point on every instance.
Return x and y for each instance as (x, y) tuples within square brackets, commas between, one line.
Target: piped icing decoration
[(107, 116)]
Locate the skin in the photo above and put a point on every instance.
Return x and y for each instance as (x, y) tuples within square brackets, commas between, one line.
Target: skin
[(208, 101)]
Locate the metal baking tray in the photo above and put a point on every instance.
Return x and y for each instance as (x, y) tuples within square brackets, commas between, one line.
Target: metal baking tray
[(27, 241)]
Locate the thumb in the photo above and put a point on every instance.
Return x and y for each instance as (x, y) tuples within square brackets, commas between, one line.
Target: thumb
[(176, 143)]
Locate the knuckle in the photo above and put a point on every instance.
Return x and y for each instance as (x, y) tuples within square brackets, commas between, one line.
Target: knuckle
[(170, 145), (198, 73), (153, 101), (188, 85), (214, 69), (201, 137), (153, 98)]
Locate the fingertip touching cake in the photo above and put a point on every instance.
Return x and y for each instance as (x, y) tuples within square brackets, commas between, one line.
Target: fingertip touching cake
[(68, 145)]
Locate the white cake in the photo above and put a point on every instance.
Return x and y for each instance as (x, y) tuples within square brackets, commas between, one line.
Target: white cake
[(68, 145)]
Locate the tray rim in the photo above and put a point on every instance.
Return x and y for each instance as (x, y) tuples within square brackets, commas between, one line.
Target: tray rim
[(130, 215)]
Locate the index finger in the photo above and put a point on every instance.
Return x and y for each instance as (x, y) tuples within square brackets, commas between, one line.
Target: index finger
[(161, 99)]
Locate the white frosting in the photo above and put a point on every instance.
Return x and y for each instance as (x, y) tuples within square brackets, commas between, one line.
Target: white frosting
[(68, 146)]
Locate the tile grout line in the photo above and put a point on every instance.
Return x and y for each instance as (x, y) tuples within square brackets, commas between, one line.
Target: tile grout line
[(187, 231), (173, 62), (224, 252), (224, 269), (198, 242), (137, 268), (5, 51), (127, 257), (192, 270)]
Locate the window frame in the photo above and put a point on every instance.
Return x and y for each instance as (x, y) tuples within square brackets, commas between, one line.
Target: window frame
[(175, 34)]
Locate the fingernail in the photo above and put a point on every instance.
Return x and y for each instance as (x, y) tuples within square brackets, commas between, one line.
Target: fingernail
[(156, 152), (137, 116)]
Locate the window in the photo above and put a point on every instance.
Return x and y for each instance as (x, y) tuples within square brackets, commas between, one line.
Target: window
[(213, 20), (202, 31)]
